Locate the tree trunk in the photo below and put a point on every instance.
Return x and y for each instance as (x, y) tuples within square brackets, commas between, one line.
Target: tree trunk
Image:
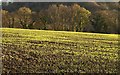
[(30, 26)]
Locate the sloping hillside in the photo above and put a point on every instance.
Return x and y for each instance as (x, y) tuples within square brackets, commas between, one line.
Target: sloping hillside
[(37, 6), (40, 51)]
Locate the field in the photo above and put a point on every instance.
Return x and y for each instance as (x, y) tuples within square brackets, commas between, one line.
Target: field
[(43, 51)]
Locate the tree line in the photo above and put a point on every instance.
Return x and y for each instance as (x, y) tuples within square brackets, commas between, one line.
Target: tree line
[(62, 17)]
